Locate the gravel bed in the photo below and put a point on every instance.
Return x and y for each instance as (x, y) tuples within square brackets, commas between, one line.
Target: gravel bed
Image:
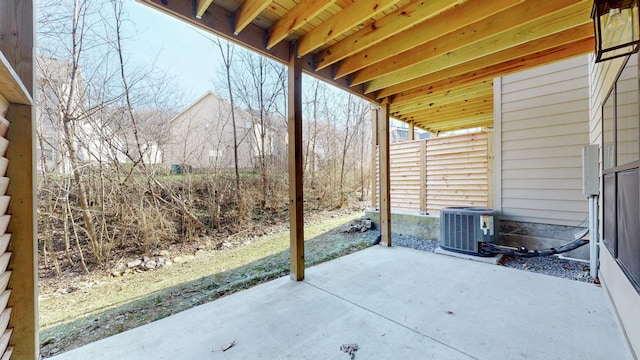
[(548, 265)]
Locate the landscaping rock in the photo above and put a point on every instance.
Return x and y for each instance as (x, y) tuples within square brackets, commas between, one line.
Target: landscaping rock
[(118, 270), (160, 262), (150, 265), (359, 225), (134, 263)]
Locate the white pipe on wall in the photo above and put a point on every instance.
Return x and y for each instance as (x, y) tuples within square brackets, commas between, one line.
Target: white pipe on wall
[(593, 236)]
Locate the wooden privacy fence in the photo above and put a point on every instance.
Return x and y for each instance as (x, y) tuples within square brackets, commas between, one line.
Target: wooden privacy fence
[(427, 175)]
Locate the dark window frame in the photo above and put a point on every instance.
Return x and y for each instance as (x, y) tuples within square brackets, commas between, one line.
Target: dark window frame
[(613, 244)]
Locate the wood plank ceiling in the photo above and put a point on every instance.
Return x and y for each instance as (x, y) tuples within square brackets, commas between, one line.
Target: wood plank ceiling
[(433, 61)]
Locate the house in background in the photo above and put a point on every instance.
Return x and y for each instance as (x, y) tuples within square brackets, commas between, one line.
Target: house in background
[(201, 137), (93, 136), (400, 131), (152, 132)]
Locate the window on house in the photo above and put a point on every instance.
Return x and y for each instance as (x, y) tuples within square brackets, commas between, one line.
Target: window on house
[(621, 175)]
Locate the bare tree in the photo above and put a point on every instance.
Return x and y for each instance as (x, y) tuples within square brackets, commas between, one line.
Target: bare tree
[(259, 88), (226, 51)]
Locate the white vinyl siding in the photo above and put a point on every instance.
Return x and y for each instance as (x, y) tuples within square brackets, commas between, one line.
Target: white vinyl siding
[(544, 122)]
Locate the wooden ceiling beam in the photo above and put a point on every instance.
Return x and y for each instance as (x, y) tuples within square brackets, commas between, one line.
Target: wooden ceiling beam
[(427, 31), (512, 26), (474, 70), (485, 96), (435, 98), (440, 90), (453, 113), (343, 21), (570, 23), (434, 125), (295, 19), (201, 7), (460, 123), (396, 22), (424, 105), (248, 10), (557, 39)]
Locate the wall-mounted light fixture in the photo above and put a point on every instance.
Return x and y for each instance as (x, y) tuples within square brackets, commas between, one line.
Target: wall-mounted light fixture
[(617, 29)]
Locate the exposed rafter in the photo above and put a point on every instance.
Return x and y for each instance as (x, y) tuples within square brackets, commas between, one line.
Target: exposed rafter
[(445, 113), (428, 58), (433, 62), (201, 7), (345, 20), (450, 20), (295, 19), (481, 92), (473, 71), (398, 21), (247, 12), (508, 53)]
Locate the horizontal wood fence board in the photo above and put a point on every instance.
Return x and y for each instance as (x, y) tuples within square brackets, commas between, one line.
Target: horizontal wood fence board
[(461, 150), (443, 179), (435, 186), (446, 158), (439, 172), (475, 166)]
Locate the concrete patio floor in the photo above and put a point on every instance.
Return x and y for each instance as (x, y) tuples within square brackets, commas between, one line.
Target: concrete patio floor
[(394, 303)]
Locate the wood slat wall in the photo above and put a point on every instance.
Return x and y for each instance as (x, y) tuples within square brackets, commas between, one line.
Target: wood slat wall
[(457, 171), (5, 256), (427, 175), (405, 176)]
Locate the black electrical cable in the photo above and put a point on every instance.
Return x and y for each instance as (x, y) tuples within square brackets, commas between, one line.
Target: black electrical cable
[(492, 249)]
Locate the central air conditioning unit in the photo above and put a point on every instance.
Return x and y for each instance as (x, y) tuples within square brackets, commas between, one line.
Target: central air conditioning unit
[(462, 229)]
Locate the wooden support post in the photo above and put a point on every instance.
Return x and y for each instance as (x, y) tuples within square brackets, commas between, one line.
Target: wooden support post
[(374, 162), (423, 177), (17, 45), (385, 179), (296, 210), (22, 227), (412, 130)]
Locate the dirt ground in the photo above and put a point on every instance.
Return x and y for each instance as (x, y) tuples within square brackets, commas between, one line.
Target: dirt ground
[(76, 310)]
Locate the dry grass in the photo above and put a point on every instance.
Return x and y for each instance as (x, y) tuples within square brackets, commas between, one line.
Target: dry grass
[(99, 306)]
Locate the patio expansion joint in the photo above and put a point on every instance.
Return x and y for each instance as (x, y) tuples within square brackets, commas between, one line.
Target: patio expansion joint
[(389, 319)]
